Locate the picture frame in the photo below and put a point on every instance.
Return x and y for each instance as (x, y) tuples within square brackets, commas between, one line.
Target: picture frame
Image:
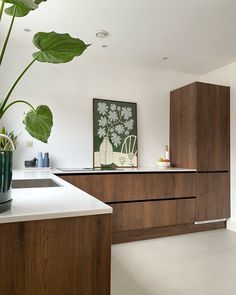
[(115, 138)]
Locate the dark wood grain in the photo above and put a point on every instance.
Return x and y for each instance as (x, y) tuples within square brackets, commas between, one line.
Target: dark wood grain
[(170, 185), (183, 118), (131, 197), (164, 231), (110, 187), (138, 215), (200, 127), (213, 196), (213, 125), (136, 186), (56, 257)]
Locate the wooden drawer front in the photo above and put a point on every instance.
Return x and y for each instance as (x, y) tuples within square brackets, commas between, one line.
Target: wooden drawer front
[(213, 197), (170, 185), (134, 187), (139, 215), (110, 187)]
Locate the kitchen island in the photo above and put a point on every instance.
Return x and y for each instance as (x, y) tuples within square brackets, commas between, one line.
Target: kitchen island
[(55, 240)]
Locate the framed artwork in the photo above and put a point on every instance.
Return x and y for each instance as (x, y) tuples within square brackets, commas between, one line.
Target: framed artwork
[(114, 134)]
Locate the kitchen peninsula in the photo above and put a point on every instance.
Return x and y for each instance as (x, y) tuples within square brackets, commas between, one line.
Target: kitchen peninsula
[(56, 239)]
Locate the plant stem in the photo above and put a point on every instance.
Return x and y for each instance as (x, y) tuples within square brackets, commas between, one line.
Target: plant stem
[(4, 102), (14, 102), (8, 35), (1, 9)]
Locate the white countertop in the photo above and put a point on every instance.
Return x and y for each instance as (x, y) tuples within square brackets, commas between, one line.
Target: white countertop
[(50, 202), (120, 170)]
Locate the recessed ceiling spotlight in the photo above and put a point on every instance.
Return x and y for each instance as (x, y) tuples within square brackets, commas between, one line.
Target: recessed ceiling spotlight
[(104, 46), (165, 58), (27, 30), (102, 34)]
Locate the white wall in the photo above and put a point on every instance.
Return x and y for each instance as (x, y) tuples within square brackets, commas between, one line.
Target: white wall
[(69, 89), (227, 76)]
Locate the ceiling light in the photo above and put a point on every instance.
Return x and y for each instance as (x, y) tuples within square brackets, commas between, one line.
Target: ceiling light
[(104, 46), (102, 34), (27, 30), (165, 58)]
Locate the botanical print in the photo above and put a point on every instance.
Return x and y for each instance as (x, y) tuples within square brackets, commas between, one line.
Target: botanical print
[(115, 133)]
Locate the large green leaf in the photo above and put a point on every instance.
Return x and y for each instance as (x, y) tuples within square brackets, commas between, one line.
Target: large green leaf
[(39, 122), (23, 7), (57, 48), (39, 1)]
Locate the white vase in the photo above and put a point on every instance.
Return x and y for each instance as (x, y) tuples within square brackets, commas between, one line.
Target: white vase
[(106, 152)]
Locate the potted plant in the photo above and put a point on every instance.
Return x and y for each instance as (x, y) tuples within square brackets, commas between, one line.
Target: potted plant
[(6, 154), (51, 47)]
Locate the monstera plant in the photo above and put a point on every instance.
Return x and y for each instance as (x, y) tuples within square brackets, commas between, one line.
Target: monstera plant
[(51, 47)]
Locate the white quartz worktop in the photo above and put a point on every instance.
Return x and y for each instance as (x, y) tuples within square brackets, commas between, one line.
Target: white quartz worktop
[(50, 202), (120, 170)]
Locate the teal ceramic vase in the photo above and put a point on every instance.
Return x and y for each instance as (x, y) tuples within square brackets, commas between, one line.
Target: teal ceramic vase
[(6, 158)]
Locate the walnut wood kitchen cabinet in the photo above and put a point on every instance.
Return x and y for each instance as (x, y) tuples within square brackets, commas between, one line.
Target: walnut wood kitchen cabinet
[(200, 139), (213, 196), (200, 127), (146, 205), (56, 256), (122, 187)]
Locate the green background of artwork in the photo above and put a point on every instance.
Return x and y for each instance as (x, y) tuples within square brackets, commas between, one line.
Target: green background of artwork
[(97, 116)]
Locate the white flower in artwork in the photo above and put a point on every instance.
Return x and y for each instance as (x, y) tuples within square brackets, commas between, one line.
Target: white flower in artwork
[(113, 107), (112, 130), (102, 108), (101, 132), (118, 108), (113, 116), (126, 132), (126, 112), (102, 121), (120, 129), (129, 124), (116, 139)]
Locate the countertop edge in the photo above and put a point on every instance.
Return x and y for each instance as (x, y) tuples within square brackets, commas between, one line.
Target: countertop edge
[(59, 172), (38, 217), (32, 204)]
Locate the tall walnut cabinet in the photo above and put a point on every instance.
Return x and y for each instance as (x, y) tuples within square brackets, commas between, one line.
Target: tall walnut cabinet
[(200, 139)]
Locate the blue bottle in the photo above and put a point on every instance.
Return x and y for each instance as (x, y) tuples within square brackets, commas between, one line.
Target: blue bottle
[(46, 159), (40, 160)]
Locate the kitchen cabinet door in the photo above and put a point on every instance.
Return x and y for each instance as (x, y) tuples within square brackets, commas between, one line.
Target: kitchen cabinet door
[(213, 196), (213, 128)]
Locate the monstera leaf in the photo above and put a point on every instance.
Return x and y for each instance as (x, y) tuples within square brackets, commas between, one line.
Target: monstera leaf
[(23, 7), (57, 48), (39, 1), (39, 122)]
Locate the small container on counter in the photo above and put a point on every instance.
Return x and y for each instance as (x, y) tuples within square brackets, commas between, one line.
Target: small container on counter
[(40, 160), (167, 154), (31, 163), (46, 160)]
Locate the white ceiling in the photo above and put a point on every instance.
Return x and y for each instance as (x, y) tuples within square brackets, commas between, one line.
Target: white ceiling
[(196, 35)]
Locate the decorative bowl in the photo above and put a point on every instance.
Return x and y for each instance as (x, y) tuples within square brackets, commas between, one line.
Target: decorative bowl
[(163, 165)]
